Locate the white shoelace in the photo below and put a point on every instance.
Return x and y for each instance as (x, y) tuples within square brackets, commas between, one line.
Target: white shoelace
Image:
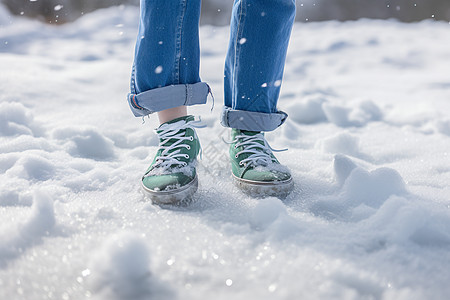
[(175, 131), (260, 154)]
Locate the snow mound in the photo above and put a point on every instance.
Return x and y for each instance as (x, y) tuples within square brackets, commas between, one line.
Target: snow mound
[(87, 143), (7, 160), (270, 215), (121, 270), (372, 188), (380, 205), (317, 108), (10, 197), (361, 192), (33, 167), (341, 143), (16, 239), (266, 212), (308, 111), (16, 119), (343, 166), (364, 112), (400, 221), (288, 135)]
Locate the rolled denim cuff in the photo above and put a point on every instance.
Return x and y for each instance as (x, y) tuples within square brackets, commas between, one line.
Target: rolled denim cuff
[(167, 97), (250, 120)]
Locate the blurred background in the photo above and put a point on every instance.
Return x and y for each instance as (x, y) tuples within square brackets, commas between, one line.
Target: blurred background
[(217, 12)]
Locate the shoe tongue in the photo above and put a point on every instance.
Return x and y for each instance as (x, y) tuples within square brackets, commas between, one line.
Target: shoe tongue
[(184, 118), (236, 132), (248, 132)]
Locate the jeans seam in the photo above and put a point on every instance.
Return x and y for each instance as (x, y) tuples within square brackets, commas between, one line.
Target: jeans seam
[(237, 49), (133, 80), (189, 93), (176, 74)]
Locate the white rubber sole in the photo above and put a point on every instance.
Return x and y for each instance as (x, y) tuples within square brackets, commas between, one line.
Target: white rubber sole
[(174, 196), (260, 189)]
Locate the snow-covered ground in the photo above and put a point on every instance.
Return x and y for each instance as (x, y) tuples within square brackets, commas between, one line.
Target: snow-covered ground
[(369, 148)]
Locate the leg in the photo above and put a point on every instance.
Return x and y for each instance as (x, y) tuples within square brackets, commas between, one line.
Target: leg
[(260, 31), (166, 65), (165, 79)]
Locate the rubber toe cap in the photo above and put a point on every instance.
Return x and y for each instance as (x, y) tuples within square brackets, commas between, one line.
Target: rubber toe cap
[(166, 182)]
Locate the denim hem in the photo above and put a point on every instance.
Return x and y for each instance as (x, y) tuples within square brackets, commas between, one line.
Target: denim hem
[(250, 120), (171, 96)]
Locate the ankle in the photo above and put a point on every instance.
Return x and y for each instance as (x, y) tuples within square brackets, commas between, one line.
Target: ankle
[(170, 114)]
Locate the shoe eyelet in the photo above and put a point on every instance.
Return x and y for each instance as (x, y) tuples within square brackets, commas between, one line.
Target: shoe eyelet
[(188, 147), (191, 138), (235, 146), (236, 156), (186, 155), (240, 163)]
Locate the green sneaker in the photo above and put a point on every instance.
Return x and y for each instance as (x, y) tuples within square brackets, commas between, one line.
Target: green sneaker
[(255, 169), (171, 176)]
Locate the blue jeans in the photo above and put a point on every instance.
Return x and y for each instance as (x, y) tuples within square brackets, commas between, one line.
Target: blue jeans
[(166, 66)]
